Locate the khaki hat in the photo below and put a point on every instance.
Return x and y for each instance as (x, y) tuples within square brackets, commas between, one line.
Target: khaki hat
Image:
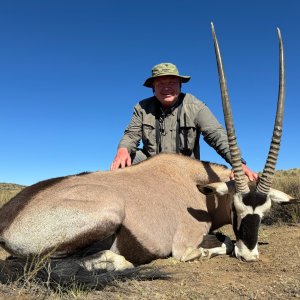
[(165, 69)]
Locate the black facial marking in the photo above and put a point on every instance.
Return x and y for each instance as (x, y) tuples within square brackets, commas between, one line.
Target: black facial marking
[(248, 231), (254, 199)]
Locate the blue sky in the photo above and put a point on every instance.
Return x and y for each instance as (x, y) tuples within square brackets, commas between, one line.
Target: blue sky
[(71, 72)]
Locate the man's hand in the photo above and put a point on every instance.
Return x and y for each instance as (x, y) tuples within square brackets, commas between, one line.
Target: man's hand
[(251, 175), (122, 159)]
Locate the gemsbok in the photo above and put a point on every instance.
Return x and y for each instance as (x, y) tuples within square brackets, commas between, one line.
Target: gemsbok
[(165, 206)]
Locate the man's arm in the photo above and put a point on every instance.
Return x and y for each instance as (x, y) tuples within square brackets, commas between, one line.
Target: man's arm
[(213, 132), (129, 141), (215, 136), (250, 174), (122, 159)]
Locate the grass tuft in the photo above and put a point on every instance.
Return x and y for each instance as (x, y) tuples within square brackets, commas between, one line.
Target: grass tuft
[(287, 181)]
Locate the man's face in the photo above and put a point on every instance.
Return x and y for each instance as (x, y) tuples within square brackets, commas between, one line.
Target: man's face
[(167, 90)]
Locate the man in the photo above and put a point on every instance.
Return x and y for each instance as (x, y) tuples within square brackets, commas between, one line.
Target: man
[(171, 121)]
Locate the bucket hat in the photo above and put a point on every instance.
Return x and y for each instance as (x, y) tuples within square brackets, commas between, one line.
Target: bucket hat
[(165, 69)]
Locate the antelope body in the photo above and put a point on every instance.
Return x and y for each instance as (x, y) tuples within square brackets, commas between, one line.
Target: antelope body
[(164, 206), (147, 211)]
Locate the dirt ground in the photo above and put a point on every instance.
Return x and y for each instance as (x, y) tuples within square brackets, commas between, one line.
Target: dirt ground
[(275, 276)]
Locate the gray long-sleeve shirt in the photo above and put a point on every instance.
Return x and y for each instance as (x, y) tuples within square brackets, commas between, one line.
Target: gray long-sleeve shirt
[(195, 119)]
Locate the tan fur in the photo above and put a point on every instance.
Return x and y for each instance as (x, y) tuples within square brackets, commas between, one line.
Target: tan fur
[(153, 210)]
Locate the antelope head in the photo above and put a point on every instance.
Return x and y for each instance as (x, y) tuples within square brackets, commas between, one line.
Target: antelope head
[(248, 207)]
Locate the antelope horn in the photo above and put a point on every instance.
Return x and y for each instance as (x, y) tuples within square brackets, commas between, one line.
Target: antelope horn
[(240, 182), (265, 180)]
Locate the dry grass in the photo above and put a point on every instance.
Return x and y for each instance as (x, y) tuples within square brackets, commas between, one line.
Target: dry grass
[(288, 182), (44, 278)]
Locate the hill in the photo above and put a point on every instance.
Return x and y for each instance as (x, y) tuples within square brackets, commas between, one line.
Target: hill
[(9, 190)]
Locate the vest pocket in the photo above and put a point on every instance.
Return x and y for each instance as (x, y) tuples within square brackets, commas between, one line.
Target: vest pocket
[(148, 136), (187, 140)]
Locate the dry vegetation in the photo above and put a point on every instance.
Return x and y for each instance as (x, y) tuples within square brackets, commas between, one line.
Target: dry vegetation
[(275, 276), (288, 182)]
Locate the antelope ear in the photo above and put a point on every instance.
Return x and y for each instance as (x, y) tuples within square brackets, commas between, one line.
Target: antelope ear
[(281, 197), (219, 188)]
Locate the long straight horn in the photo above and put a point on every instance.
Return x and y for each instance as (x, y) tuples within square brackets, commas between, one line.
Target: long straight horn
[(240, 182), (266, 178)]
